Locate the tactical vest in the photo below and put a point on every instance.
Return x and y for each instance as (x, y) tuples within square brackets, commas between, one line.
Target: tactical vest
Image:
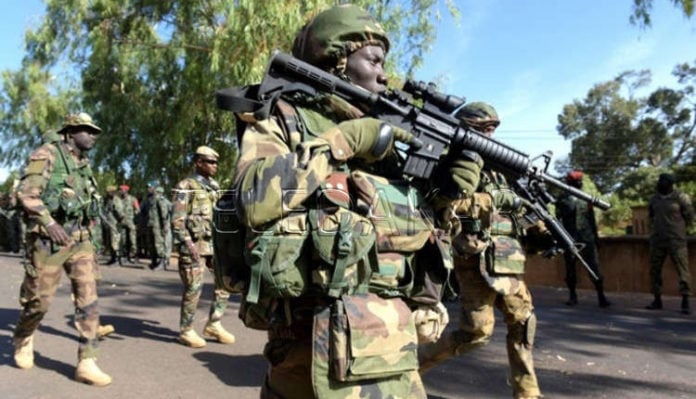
[(70, 193), (361, 233), (199, 219)]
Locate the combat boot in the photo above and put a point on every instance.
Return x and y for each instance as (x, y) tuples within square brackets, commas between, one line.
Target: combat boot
[(156, 264), (601, 298), (24, 352), (191, 338), (103, 331), (656, 303), (217, 331), (88, 372), (572, 299), (685, 309), (112, 260)]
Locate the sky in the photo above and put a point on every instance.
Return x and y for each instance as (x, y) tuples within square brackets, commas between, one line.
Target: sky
[(527, 58), (530, 58)]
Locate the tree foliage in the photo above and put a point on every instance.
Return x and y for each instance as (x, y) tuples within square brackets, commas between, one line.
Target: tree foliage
[(614, 133), (147, 71), (642, 9)]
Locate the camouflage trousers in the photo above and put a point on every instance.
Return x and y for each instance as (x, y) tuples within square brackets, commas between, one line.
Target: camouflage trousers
[(191, 274), (289, 352), (157, 246), (678, 252), (129, 239), (112, 239), (41, 280), (476, 323)]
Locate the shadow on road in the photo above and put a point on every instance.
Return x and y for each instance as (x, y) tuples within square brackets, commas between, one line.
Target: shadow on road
[(239, 371)]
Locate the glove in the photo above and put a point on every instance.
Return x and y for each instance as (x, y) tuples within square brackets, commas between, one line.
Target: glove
[(461, 176), (366, 138), (505, 200)]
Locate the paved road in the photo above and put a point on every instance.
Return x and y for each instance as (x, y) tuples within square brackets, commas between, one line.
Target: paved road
[(583, 352)]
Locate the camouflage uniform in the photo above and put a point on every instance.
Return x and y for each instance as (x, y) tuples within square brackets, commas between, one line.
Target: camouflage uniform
[(343, 258), (489, 266), (57, 186), (670, 215), (579, 220), (192, 220), (129, 233), (112, 211), (158, 222)]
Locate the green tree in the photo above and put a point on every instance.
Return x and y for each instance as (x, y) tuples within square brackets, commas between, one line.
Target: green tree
[(147, 70), (642, 9), (614, 132)]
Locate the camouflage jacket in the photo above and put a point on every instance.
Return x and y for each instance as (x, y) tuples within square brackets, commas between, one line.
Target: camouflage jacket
[(192, 213), (577, 217), (57, 185), (490, 235), (158, 212), (670, 216), (285, 169), (112, 211), (131, 207)]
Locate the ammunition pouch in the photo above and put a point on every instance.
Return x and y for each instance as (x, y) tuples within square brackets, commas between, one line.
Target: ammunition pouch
[(370, 339)]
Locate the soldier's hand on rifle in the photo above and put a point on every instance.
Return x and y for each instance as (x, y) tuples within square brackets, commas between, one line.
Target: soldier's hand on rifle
[(506, 200), (366, 138), (458, 177), (58, 234)]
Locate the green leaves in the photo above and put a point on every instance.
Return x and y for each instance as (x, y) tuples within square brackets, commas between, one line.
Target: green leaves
[(147, 71)]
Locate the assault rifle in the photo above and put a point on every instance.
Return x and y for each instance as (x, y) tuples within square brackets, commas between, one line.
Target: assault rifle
[(436, 130)]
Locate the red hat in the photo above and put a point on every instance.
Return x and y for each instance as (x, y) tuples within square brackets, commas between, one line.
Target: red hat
[(575, 175), (124, 187)]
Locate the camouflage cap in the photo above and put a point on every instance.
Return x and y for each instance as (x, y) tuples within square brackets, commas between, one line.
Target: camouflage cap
[(111, 189), (328, 38), (81, 119), (477, 114), (206, 152), (159, 190)]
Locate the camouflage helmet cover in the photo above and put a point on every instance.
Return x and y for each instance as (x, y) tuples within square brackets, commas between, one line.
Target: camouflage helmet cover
[(81, 119), (328, 38), (477, 114)]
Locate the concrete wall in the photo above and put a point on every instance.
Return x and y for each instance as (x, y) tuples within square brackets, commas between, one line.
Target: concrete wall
[(624, 264)]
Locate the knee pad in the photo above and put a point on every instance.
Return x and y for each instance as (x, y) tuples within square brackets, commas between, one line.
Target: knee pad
[(530, 329)]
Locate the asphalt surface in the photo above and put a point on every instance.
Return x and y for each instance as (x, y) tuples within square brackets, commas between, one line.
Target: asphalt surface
[(582, 352)]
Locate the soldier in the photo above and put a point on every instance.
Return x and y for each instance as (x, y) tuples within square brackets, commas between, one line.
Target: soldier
[(57, 192), (489, 266), (158, 224), (192, 229), (336, 238), (167, 223), (579, 220), (113, 214), (129, 234), (671, 213)]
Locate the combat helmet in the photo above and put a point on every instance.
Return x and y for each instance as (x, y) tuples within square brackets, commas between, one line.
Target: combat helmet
[(478, 115), (80, 119), (331, 36)]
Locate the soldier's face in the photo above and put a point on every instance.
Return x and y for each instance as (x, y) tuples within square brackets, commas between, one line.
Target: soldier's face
[(84, 139), (207, 166), (365, 68)]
